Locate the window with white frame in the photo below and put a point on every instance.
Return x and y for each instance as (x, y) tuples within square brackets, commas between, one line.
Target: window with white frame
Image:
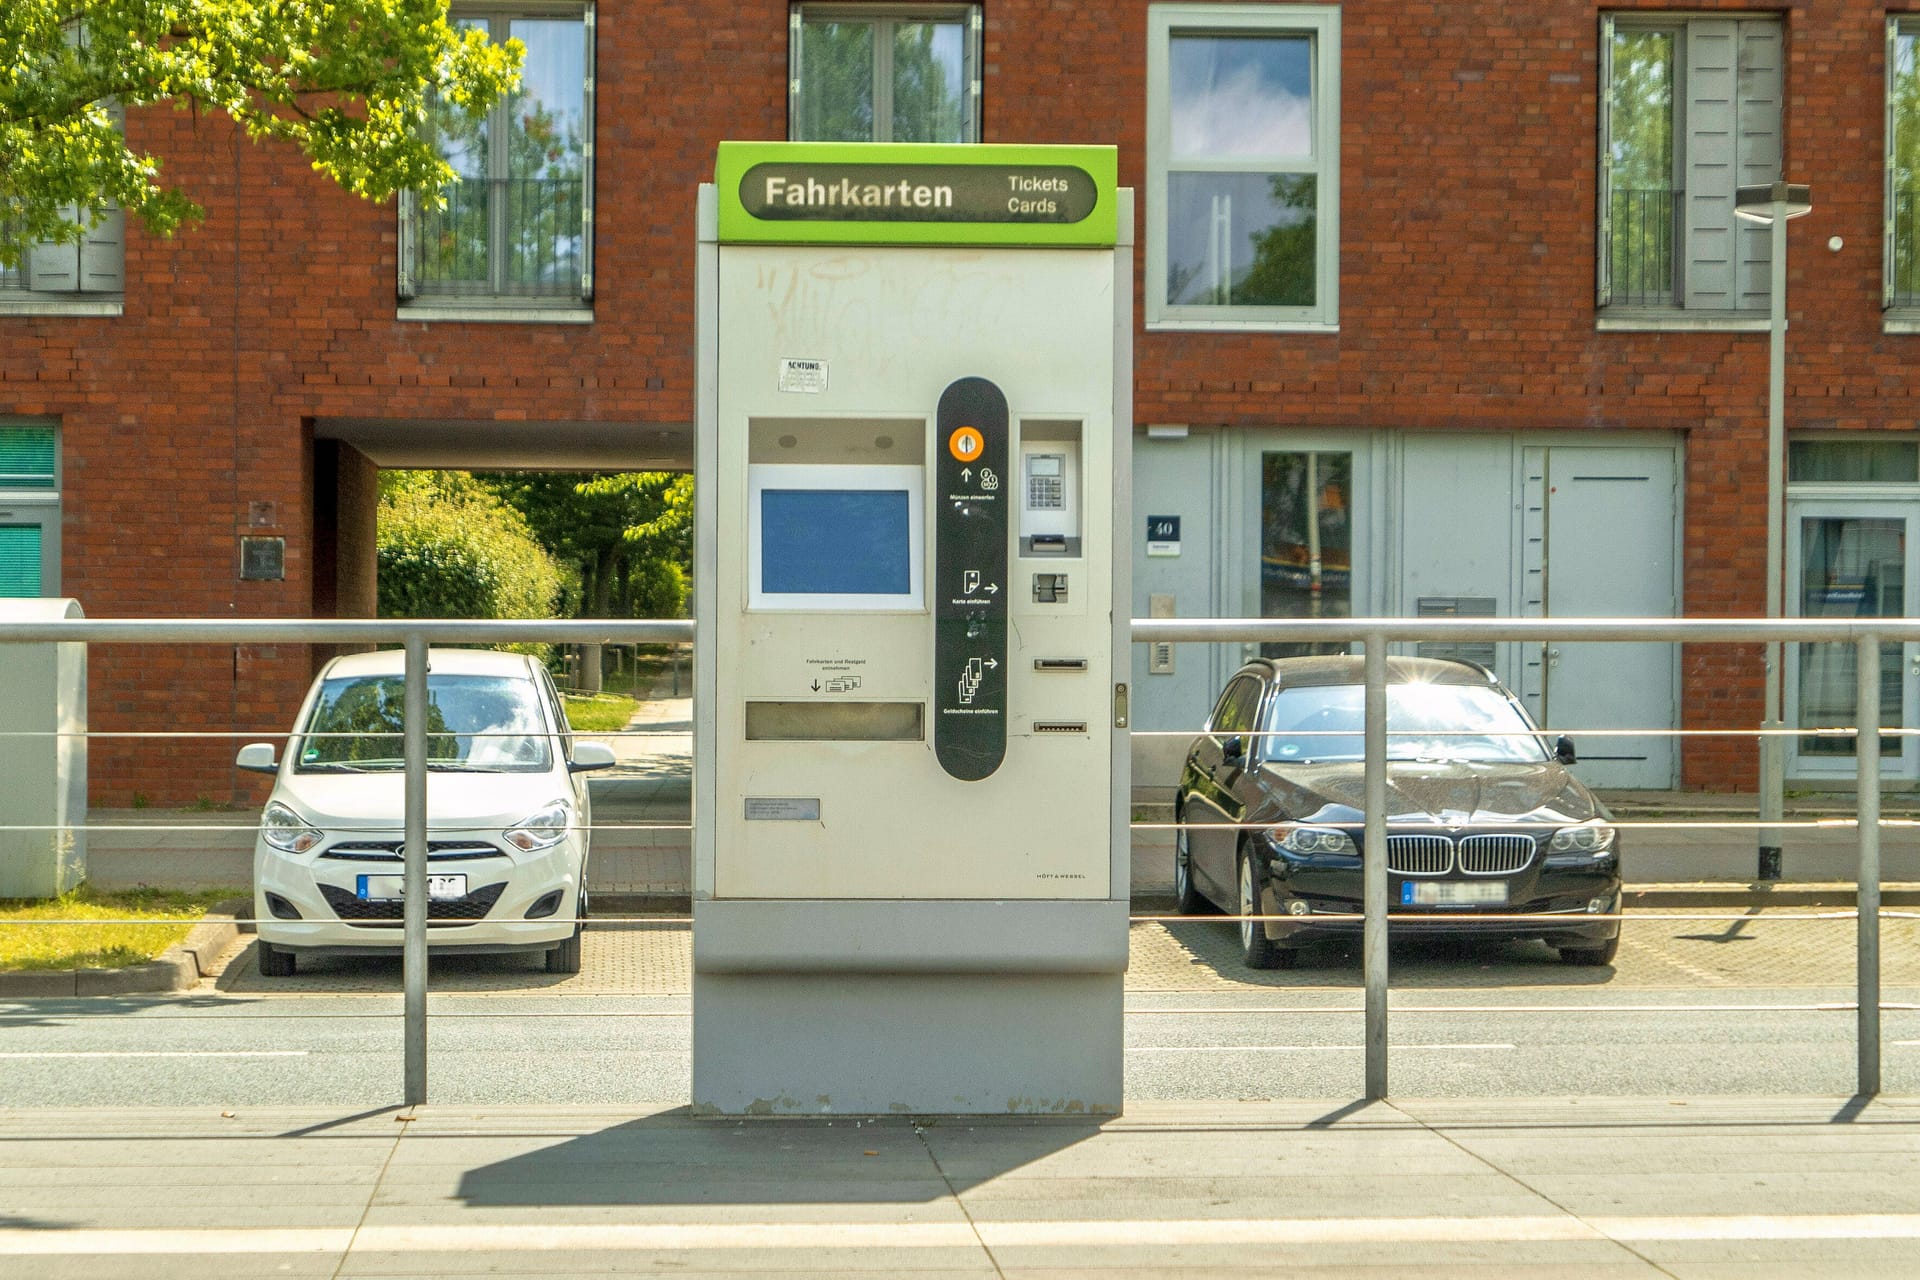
[(1902, 241), (516, 228), (1690, 110), (884, 73), (1243, 166)]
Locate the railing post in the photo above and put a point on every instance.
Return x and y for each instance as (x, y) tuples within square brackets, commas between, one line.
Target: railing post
[(1373, 864), (1867, 889), (414, 901)]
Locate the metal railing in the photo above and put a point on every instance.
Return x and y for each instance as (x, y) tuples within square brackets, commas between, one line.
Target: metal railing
[(1377, 636), (1906, 247), (1640, 251), (519, 237)]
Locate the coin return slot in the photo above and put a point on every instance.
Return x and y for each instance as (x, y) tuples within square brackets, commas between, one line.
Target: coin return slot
[(1059, 664), (1059, 726)]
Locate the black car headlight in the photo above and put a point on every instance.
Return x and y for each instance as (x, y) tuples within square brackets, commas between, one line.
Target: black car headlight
[(1586, 842), (1313, 842)]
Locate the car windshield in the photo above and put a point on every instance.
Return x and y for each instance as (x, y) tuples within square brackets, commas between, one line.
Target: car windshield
[(481, 724), (1473, 723)]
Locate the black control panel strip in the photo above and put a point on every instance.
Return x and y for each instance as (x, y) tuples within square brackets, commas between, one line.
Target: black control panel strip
[(970, 587)]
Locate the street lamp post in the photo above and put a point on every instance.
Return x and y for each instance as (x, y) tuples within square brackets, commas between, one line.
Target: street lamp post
[(1772, 204)]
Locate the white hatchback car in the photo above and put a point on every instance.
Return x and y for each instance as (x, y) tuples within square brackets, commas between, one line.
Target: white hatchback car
[(507, 814)]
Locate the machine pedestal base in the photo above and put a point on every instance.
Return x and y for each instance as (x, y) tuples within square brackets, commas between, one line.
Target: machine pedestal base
[(891, 1044)]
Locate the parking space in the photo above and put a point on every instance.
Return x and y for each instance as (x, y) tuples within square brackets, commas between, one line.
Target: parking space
[(1658, 950)]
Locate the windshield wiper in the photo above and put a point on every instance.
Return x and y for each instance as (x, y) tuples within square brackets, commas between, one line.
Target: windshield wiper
[(331, 766)]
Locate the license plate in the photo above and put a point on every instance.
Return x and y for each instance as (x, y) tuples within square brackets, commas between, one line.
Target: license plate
[(1453, 893), (389, 888)]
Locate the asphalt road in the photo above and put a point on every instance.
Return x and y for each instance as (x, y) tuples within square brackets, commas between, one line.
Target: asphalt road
[(1273, 1043), (1695, 1005)]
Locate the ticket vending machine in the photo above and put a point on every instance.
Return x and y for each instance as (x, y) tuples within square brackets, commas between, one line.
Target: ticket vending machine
[(911, 781)]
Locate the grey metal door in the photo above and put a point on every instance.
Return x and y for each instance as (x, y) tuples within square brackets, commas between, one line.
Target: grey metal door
[(1600, 544)]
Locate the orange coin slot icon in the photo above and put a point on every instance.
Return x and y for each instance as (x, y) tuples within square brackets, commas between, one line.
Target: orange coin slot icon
[(966, 443)]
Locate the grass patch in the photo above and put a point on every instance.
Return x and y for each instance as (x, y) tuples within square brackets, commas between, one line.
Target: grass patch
[(598, 713), (100, 946)]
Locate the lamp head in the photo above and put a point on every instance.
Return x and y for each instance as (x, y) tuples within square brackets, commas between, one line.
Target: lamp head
[(1770, 200)]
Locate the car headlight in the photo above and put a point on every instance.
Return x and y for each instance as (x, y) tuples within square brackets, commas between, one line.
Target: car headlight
[(286, 830), (542, 830), (1308, 842), (1589, 838)]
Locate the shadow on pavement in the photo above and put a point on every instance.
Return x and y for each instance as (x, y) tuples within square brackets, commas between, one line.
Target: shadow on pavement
[(1212, 947), (675, 1159)]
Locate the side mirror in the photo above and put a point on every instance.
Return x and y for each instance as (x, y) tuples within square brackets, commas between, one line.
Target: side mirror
[(256, 757), (1563, 750), (591, 755), (1233, 749)]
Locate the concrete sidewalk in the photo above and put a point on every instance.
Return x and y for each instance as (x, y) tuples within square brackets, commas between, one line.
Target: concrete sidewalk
[(1752, 1187)]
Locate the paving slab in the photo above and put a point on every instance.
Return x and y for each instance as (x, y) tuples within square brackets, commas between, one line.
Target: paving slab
[(1490, 1186)]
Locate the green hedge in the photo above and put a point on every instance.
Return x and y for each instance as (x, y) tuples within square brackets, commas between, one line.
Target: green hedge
[(460, 555)]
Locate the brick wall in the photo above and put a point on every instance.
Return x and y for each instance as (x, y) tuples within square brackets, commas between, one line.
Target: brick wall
[(1466, 302)]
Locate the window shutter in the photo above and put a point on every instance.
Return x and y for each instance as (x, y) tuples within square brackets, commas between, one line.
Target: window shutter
[(54, 266), (1712, 91), (20, 561), (1604, 246), (103, 255), (409, 206), (1757, 150)]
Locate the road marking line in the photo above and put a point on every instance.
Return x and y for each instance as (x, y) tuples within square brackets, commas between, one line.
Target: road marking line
[(1823, 1007), (162, 1053), (1134, 1233), (1293, 1048)]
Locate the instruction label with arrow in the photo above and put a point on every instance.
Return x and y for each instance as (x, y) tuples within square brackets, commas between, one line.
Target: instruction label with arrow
[(970, 576)]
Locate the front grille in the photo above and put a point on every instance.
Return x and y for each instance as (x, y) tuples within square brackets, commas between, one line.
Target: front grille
[(1419, 855), (355, 910), (395, 851), (1494, 855)]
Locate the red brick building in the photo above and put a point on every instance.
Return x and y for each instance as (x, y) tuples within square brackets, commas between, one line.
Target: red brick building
[(1441, 307)]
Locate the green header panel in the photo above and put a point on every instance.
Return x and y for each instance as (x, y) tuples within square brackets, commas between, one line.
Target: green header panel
[(916, 193)]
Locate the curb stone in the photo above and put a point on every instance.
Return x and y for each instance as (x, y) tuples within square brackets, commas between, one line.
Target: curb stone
[(175, 969)]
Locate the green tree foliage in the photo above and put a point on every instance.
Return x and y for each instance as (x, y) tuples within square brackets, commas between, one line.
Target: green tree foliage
[(350, 82), (449, 548), (1285, 253), (628, 535)]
